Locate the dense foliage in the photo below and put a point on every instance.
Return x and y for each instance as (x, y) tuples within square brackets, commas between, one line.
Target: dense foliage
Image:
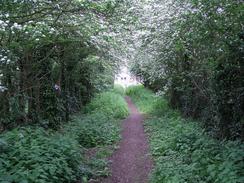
[(52, 58), (193, 51), (182, 151), (56, 55), (146, 101), (38, 155), (106, 103)]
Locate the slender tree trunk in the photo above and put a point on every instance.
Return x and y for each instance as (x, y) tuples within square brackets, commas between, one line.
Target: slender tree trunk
[(64, 87)]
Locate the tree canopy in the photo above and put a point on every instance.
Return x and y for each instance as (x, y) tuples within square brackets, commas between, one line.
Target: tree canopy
[(55, 55), (193, 52)]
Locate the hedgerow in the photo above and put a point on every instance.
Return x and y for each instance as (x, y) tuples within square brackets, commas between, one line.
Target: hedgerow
[(193, 52), (53, 59)]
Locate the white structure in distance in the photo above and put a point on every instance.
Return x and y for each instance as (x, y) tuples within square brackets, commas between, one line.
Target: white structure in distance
[(125, 78)]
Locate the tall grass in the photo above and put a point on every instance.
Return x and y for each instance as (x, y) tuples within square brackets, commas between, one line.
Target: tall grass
[(118, 89), (109, 103), (182, 151), (146, 101)]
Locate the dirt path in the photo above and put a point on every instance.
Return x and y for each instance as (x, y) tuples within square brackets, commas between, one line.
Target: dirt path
[(131, 162)]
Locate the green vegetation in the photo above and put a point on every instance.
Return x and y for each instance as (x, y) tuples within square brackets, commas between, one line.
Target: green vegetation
[(145, 100), (194, 54), (109, 103), (182, 150), (119, 89), (58, 55), (51, 59), (33, 154)]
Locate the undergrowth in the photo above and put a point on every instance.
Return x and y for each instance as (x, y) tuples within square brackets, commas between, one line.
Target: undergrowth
[(118, 89), (110, 104), (145, 100), (33, 154), (182, 151)]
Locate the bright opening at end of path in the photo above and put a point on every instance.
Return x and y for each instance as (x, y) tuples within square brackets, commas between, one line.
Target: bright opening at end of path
[(125, 78)]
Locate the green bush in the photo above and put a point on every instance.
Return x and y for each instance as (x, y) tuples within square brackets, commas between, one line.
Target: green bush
[(94, 130), (34, 155), (182, 151)]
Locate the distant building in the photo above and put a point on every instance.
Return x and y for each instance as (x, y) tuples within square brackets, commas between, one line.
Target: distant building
[(125, 78)]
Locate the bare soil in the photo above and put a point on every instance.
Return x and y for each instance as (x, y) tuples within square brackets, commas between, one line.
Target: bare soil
[(131, 163)]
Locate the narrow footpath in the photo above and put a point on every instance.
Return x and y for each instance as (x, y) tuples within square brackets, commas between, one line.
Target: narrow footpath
[(131, 163)]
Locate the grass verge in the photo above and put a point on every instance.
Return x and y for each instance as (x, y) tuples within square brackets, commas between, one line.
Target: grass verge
[(181, 149), (38, 155)]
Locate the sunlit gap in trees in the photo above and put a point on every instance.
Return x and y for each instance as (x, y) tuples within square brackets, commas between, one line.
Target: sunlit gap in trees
[(125, 78)]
